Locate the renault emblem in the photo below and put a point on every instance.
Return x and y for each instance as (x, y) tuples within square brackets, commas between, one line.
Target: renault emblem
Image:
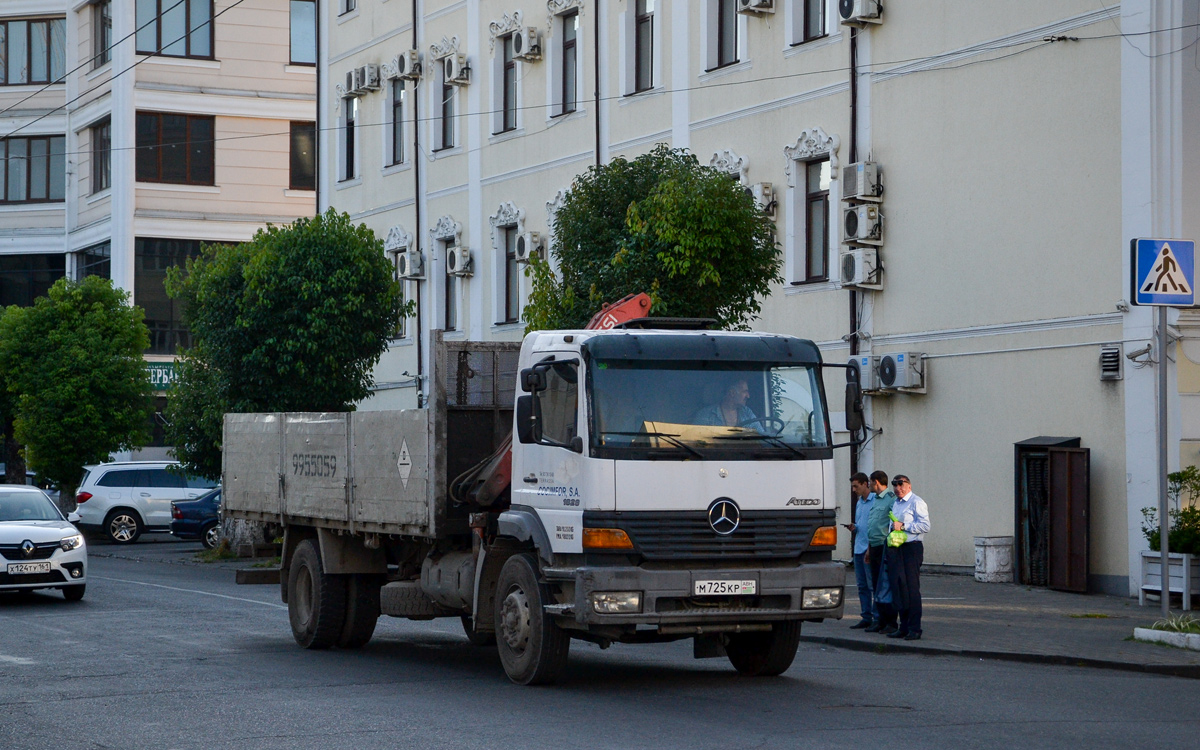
[(724, 516), (27, 548)]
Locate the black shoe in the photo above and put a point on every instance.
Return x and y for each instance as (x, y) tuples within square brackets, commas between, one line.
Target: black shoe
[(875, 628), (887, 630), (913, 636), (898, 634), (861, 625)]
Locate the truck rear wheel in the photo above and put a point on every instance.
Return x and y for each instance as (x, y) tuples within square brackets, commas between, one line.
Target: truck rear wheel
[(362, 611), (765, 654), (316, 600), (533, 649)]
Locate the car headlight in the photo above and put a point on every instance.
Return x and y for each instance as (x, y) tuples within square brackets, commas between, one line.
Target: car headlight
[(75, 541)]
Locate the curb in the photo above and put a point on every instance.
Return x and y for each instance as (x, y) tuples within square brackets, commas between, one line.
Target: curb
[(1190, 671), (251, 576), (1190, 641)]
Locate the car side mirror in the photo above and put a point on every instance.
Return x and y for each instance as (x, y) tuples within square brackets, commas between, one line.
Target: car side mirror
[(577, 444), (73, 517), (854, 408), (533, 379), (526, 420)]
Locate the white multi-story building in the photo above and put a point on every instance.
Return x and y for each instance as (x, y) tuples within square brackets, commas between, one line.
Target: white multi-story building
[(1020, 145), (135, 131)]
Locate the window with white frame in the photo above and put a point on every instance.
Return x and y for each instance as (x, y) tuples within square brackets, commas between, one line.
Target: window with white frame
[(101, 137), (643, 45), (348, 139), (450, 319), (101, 32), (401, 331), (395, 145), (512, 276), (565, 81), (447, 93), (817, 179), (723, 33), (809, 20), (347, 6), (505, 90)]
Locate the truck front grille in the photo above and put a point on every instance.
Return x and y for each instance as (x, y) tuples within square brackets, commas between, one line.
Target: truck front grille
[(686, 535)]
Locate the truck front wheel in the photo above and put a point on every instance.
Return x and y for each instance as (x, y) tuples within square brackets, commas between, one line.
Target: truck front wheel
[(316, 600), (533, 649), (765, 654)]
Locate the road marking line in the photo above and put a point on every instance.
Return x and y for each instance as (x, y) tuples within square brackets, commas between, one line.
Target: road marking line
[(5, 659), (191, 591)]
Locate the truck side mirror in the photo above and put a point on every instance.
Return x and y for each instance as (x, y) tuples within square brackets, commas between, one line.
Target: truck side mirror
[(527, 423), (577, 444), (854, 408), (533, 379)]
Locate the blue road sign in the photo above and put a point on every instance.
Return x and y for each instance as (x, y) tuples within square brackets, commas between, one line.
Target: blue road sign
[(1164, 273)]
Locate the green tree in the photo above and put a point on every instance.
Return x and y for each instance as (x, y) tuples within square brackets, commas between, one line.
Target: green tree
[(79, 387), (685, 234), (293, 320)]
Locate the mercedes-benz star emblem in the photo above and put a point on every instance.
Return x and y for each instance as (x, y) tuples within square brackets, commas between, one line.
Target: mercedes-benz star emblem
[(27, 548), (724, 516)]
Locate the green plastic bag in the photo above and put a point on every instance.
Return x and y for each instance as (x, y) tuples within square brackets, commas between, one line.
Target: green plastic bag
[(896, 538)]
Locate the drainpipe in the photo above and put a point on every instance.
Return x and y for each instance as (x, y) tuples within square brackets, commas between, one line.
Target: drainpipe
[(853, 158), (416, 157), (596, 74)]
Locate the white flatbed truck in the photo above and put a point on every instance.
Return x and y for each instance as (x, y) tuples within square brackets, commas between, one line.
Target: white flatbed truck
[(635, 512)]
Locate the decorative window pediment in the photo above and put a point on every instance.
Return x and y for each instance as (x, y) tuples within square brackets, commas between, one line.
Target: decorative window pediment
[(813, 143), (509, 23), (558, 7), (444, 48), (398, 240), (447, 230), (731, 164)]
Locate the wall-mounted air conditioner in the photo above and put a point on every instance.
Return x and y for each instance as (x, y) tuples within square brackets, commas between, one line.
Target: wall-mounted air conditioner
[(865, 369), (860, 12), (755, 7), (862, 224), (860, 268), (458, 261), (900, 370), (410, 265), (526, 44), (529, 245), (860, 182), (455, 69), (408, 65), (764, 197)]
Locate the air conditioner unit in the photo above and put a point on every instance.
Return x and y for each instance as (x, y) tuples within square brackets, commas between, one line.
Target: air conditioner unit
[(351, 79), (764, 197), (1110, 362), (458, 261), (860, 268), (862, 224), (526, 45), (370, 77), (529, 244), (359, 80), (756, 6), (455, 70), (408, 65), (860, 12), (900, 370), (860, 181), (410, 264), (865, 370)]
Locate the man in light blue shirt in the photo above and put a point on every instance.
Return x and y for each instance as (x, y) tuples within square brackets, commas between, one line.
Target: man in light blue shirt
[(913, 519), (862, 569)]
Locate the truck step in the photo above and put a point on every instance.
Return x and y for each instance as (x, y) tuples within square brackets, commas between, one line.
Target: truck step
[(406, 599)]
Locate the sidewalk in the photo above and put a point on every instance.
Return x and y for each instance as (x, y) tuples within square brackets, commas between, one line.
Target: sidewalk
[(963, 617)]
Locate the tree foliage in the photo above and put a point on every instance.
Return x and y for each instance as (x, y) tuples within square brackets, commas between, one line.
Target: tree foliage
[(685, 234), (293, 320), (74, 370)]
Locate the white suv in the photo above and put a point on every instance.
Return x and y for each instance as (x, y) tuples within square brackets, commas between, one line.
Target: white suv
[(124, 499)]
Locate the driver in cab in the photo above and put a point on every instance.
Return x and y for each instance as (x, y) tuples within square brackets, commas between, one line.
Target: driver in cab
[(731, 410)]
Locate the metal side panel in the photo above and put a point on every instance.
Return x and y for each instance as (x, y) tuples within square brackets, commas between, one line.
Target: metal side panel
[(390, 455), (315, 465), (250, 463)]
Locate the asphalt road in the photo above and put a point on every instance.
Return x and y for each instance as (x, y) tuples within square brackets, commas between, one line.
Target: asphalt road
[(168, 655)]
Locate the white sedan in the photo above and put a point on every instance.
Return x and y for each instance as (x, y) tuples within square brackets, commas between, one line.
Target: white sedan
[(39, 547)]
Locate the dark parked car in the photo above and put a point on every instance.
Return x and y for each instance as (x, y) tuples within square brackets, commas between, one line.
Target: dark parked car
[(198, 519)]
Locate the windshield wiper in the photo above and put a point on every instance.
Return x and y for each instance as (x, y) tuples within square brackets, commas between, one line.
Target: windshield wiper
[(759, 436), (672, 438)]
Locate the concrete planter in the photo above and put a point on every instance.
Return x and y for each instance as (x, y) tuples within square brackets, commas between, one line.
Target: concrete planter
[(1189, 641), (993, 559), (1184, 572)]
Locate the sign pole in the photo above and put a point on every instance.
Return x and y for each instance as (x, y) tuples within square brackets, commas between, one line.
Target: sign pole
[(1164, 521)]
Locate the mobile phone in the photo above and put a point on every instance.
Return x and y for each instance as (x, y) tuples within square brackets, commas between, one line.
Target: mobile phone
[(846, 525)]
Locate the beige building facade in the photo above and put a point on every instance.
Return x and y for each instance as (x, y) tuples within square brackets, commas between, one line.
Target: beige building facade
[(1021, 145)]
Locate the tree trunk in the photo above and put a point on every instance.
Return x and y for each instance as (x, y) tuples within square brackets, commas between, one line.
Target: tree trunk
[(14, 462)]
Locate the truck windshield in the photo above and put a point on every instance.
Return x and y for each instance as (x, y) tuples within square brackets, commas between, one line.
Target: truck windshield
[(652, 409)]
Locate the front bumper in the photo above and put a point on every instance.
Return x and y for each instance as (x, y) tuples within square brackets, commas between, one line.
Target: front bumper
[(61, 566), (667, 595)]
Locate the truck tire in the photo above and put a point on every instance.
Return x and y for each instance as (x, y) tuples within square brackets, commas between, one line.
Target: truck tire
[(362, 610), (474, 636), (316, 600), (765, 654), (533, 649)]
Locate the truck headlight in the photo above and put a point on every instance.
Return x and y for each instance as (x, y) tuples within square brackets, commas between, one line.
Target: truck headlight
[(68, 543), (616, 602), (820, 598)]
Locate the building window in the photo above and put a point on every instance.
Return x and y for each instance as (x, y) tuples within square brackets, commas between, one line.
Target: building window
[(101, 32), (349, 118), (164, 316), (33, 169), (94, 261), (347, 6), (33, 51), (643, 46), (451, 321), (508, 87), (816, 220), (24, 278), (512, 277), (304, 32), (303, 166), (174, 28), (570, 62), (808, 21), (397, 120), (402, 326), (727, 33), (446, 117), (175, 148), (101, 155)]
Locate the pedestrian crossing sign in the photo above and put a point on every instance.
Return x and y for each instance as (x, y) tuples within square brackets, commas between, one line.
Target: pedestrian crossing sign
[(1164, 272)]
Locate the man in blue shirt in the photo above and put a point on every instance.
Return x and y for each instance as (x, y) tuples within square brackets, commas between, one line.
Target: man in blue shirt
[(879, 523), (905, 574), (862, 570)]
